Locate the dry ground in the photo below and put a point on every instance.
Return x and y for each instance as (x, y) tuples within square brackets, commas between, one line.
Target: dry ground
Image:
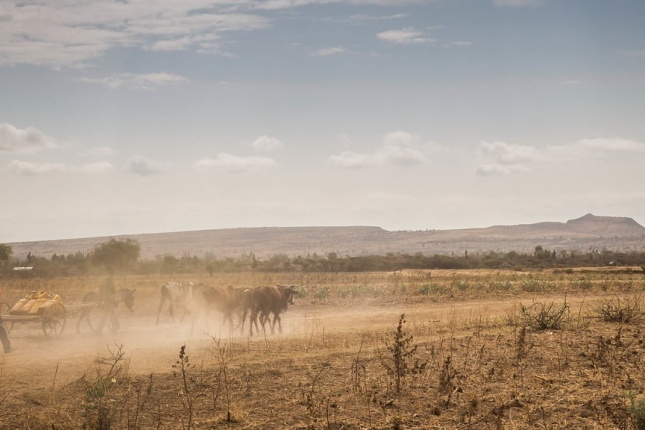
[(474, 365)]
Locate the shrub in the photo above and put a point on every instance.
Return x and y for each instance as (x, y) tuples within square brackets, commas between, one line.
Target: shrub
[(426, 289), (399, 362), (543, 315), (637, 411), (322, 294), (100, 408), (531, 285), (622, 310), (301, 292), (357, 291)]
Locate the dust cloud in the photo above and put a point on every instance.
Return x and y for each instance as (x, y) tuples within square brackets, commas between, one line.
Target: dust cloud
[(39, 361)]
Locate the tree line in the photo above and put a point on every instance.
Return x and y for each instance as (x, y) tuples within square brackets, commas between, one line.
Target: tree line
[(125, 256)]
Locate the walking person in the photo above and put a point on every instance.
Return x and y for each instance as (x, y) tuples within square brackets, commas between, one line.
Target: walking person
[(4, 336), (4, 333), (107, 297)]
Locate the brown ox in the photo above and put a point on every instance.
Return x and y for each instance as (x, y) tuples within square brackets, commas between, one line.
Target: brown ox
[(264, 301), (224, 300)]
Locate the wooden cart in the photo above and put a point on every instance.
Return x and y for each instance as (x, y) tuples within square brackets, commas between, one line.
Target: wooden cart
[(52, 319)]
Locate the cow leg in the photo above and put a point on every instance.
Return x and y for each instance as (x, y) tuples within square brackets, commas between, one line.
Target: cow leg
[(253, 319), (266, 317), (193, 320), (242, 318), (161, 303), (171, 310), (206, 321), (183, 315), (228, 318), (277, 317)]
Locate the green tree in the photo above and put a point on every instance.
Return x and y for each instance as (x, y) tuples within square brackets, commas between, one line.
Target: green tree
[(118, 253), (6, 251), (170, 263)]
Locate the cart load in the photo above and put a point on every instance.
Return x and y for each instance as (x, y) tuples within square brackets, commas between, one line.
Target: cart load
[(35, 303)]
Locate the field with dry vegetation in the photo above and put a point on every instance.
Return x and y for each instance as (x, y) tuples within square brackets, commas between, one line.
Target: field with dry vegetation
[(403, 350)]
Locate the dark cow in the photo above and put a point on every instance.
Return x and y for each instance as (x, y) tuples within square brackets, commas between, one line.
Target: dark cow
[(124, 296), (223, 300), (267, 300), (179, 298)]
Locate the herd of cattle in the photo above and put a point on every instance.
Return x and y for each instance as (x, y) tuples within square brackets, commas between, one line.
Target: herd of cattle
[(200, 302)]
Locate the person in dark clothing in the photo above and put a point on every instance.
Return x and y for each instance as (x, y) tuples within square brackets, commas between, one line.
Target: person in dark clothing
[(107, 296), (4, 336)]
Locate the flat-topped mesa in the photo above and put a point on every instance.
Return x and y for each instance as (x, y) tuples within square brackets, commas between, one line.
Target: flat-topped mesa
[(607, 225)]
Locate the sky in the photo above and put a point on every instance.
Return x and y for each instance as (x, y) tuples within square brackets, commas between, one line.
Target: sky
[(148, 116)]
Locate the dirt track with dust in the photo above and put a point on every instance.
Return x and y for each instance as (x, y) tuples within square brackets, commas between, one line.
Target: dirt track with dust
[(36, 360)]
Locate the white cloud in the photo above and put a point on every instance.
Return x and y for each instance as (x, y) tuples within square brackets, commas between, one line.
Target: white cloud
[(402, 148), (100, 151), (282, 4), (593, 148), (30, 139), (616, 144), (364, 17), (326, 52), (98, 167), (234, 163), (267, 143), (498, 169), (517, 3), (462, 43), (404, 36), (509, 153), (143, 167), (171, 45), (351, 159), (398, 148), (507, 158), (501, 158), (149, 81), (18, 167), (25, 168), (73, 34)]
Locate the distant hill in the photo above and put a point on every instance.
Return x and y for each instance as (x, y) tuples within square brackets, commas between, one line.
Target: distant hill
[(581, 234)]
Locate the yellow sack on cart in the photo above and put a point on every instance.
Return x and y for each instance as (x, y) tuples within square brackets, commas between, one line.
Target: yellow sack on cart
[(32, 303), (42, 307)]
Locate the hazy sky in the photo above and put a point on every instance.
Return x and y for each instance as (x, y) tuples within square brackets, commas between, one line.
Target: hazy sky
[(143, 116)]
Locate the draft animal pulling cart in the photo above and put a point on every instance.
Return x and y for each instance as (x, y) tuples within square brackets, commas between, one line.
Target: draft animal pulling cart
[(37, 307), (48, 311)]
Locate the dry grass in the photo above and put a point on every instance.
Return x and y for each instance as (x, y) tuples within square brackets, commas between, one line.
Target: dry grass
[(482, 367)]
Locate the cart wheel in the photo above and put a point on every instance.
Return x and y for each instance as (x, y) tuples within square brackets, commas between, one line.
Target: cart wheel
[(4, 309), (54, 320)]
